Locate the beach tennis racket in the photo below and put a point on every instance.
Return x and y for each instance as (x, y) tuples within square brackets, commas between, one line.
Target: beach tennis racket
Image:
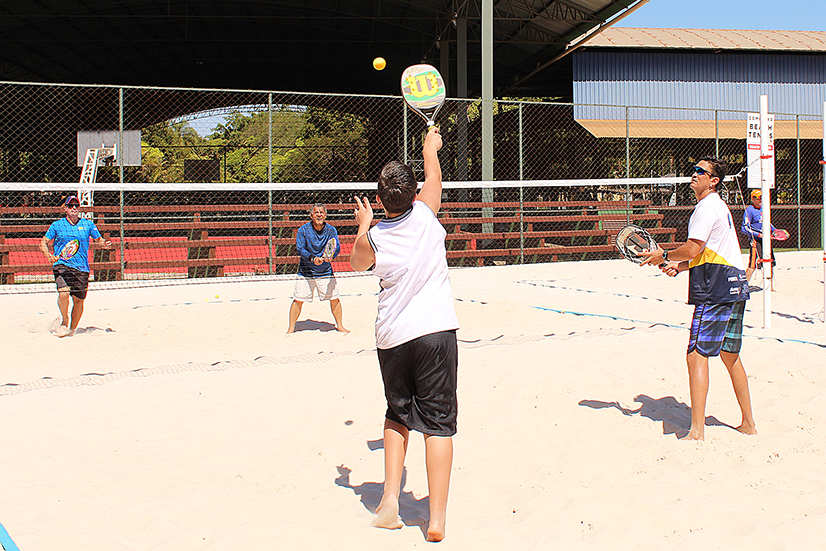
[(780, 235), (69, 250), (423, 89), (632, 240), (329, 250)]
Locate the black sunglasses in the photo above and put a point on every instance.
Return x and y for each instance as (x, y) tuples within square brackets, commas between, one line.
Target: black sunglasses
[(700, 171)]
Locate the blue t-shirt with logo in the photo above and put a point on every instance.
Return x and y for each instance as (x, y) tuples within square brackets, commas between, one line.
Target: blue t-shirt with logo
[(71, 242), (311, 242)]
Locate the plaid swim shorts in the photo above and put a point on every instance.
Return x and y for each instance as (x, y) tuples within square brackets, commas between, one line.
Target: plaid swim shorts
[(717, 327)]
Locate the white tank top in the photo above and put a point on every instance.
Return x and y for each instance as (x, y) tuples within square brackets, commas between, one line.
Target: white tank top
[(415, 297)]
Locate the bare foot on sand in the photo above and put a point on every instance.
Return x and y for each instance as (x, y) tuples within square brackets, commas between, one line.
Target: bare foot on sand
[(342, 330), (747, 429), (387, 514), (692, 435), (436, 530)]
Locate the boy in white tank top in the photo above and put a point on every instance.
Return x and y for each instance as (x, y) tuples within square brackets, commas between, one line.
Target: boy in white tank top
[(415, 328)]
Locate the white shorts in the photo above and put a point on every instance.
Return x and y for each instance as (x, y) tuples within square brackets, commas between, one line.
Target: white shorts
[(305, 288)]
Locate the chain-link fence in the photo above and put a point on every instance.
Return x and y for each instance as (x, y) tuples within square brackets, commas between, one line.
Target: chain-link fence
[(221, 170)]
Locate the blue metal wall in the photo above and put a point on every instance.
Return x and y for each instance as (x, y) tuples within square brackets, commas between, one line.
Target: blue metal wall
[(795, 83)]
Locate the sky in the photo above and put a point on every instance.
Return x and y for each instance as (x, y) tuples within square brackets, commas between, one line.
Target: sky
[(764, 15)]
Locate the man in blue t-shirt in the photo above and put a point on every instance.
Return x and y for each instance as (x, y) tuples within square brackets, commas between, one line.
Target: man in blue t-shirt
[(315, 273), (753, 227), (66, 245)]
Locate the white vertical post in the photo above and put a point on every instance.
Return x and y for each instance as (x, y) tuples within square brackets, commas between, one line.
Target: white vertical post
[(766, 189)]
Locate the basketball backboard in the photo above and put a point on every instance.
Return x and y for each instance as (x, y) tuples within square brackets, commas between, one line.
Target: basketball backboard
[(93, 139)]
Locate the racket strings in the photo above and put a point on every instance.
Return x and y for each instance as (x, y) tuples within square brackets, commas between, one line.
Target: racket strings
[(632, 240)]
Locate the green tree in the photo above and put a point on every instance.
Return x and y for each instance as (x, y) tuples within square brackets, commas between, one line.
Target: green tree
[(332, 147)]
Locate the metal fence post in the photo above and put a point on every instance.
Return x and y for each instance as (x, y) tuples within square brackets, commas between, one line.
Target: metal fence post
[(269, 191), (521, 194), (404, 131), (797, 117), (627, 163), (120, 198)]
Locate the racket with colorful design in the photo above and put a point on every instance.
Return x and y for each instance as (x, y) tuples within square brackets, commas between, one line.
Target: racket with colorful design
[(329, 250), (69, 250), (632, 240), (780, 235), (423, 89)]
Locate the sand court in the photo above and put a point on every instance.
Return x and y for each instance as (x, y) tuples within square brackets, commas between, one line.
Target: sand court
[(184, 418)]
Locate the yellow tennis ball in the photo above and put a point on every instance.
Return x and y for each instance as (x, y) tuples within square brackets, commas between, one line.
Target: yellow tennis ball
[(379, 63)]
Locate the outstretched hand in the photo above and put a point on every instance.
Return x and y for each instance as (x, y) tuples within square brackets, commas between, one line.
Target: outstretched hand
[(363, 212)]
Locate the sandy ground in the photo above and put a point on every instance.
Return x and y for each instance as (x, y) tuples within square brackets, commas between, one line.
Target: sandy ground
[(183, 418)]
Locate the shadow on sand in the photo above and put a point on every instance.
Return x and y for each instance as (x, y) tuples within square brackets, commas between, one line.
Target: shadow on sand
[(675, 416), (314, 325), (413, 512)]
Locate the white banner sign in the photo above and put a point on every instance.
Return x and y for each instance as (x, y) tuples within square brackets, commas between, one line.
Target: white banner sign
[(753, 151)]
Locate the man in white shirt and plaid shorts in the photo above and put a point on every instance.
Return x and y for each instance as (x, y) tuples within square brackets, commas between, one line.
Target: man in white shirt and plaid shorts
[(717, 287)]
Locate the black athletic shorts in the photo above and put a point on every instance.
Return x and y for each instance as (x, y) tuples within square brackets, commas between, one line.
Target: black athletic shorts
[(420, 383), (76, 281)]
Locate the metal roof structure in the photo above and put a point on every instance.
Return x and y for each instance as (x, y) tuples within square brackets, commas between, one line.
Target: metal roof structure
[(711, 39), (291, 45), (697, 82)]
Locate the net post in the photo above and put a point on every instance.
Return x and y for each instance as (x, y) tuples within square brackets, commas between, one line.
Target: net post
[(766, 191)]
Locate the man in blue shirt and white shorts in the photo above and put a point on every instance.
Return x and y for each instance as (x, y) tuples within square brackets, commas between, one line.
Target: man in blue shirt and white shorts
[(315, 273), (66, 245)]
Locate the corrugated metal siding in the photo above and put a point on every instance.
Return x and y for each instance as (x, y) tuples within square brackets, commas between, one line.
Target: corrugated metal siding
[(734, 81)]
